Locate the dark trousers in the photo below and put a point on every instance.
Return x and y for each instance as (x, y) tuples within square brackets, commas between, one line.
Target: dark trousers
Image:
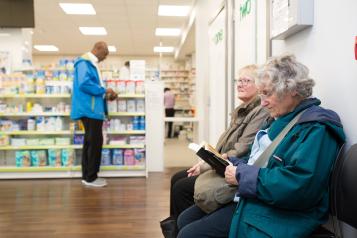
[(194, 223), (92, 148), (169, 112), (181, 194)]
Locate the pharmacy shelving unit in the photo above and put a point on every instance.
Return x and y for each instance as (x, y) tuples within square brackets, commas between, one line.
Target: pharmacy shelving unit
[(9, 171), (182, 84)]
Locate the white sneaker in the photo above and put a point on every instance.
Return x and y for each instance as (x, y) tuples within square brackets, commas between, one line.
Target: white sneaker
[(96, 183), (102, 179)]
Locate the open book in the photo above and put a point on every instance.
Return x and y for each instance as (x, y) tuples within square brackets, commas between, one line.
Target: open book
[(211, 156)]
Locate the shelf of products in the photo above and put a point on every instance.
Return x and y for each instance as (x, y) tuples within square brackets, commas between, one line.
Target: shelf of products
[(181, 82), (38, 139)]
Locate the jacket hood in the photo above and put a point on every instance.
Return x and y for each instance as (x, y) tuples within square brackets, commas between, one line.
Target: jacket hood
[(313, 113), (84, 57), (326, 116)]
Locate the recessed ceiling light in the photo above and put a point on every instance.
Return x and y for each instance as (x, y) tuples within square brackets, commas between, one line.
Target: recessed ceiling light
[(163, 49), (167, 31), (112, 48), (49, 48), (93, 30), (172, 10), (78, 8)]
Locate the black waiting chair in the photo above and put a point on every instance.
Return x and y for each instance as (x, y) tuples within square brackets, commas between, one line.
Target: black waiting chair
[(343, 194)]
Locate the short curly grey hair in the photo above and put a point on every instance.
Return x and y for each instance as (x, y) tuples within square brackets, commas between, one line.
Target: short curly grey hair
[(285, 73)]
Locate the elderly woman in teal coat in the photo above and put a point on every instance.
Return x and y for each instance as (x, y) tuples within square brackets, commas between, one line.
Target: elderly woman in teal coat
[(289, 197)]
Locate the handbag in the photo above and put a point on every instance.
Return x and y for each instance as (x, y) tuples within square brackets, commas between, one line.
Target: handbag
[(212, 191)]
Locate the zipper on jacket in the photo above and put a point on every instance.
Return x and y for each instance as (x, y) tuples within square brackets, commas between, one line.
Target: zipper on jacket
[(93, 103)]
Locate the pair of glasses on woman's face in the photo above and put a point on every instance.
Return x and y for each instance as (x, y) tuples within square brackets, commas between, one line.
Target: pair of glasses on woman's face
[(243, 81), (263, 94)]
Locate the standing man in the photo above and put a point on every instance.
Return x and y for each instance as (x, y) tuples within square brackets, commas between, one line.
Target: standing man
[(169, 102), (89, 105)]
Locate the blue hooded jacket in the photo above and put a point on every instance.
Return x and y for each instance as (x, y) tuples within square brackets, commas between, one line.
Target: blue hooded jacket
[(88, 95)]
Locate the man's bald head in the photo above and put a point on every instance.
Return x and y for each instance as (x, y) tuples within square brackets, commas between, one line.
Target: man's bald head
[(100, 50)]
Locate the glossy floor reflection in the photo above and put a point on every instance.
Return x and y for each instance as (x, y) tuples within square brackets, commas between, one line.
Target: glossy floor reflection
[(128, 207)]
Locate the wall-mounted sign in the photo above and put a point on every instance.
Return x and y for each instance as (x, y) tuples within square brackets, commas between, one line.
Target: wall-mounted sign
[(290, 16)]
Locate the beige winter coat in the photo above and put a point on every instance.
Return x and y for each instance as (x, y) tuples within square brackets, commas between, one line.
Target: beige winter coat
[(246, 120)]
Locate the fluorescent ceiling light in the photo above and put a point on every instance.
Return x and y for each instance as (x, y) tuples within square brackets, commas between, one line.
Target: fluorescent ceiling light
[(49, 48), (78, 8), (93, 30), (4, 34), (172, 10), (163, 49), (167, 31), (112, 48)]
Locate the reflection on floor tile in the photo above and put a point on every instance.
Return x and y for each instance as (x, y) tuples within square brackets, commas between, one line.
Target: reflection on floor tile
[(176, 153)]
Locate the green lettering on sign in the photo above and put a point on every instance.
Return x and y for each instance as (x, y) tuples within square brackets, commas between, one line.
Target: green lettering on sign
[(218, 37), (245, 9)]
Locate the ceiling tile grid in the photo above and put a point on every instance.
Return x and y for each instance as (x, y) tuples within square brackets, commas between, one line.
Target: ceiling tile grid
[(130, 25)]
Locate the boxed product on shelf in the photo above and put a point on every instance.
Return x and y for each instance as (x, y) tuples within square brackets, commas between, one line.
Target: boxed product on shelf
[(46, 141), (31, 124), (111, 84), (54, 157), (118, 140), (32, 141), (78, 139), (4, 140), (121, 105), (67, 157), (106, 159), (140, 105), (129, 158), (139, 155), (118, 157), (130, 87), (62, 140), (121, 86), (38, 158), (114, 125), (22, 158), (5, 125), (136, 140), (139, 87), (142, 123), (130, 105), (78, 126), (136, 123), (112, 106), (18, 141), (130, 126)]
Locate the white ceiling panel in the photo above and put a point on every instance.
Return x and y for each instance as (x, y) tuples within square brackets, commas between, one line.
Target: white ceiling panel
[(130, 25)]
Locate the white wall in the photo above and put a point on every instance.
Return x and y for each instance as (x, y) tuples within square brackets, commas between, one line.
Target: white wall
[(217, 34), (328, 50), (251, 41), (205, 10)]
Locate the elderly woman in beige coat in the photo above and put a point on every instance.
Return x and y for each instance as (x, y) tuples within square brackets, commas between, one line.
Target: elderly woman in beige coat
[(246, 120)]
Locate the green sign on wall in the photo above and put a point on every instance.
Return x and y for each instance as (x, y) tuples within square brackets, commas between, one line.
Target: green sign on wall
[(245, 8), (218, 37)]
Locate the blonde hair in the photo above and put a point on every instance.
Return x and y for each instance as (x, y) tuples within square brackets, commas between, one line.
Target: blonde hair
[(251, 70)]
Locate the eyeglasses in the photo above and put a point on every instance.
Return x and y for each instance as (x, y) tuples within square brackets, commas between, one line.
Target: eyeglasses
[(244, 81), (265, 94)]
